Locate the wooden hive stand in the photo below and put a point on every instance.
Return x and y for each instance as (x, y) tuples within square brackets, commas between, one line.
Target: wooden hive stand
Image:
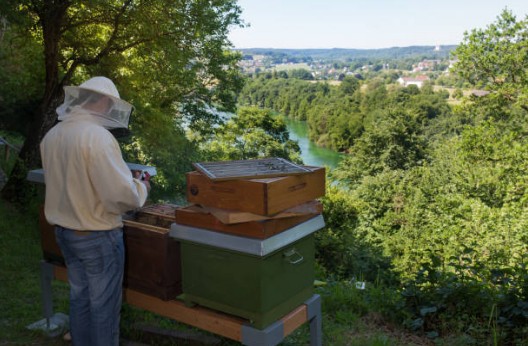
[(228, 326)]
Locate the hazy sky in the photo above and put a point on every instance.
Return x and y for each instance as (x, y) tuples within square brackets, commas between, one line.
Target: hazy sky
[(365, 23)]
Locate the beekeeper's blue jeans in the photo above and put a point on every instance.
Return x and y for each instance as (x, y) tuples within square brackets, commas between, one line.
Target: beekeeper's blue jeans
[(95, 262)]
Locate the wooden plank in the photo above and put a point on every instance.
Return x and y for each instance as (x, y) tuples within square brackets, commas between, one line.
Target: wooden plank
[(199, 217), (212, 321), (145, 226), (295, 319)]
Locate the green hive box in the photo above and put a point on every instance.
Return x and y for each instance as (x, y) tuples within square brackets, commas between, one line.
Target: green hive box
[(261, 280)]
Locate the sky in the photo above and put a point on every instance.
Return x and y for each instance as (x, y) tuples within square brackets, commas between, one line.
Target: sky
[(365, 24)]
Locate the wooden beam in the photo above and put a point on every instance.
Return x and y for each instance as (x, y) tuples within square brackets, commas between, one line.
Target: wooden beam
[(295, 319), (212, 321)]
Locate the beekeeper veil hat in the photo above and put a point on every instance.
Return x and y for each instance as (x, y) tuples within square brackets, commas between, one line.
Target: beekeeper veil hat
[(97, 96)]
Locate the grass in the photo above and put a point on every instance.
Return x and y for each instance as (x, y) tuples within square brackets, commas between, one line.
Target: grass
[(19, 274)]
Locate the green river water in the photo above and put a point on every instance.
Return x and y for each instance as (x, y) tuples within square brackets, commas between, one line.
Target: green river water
[(311, 154)]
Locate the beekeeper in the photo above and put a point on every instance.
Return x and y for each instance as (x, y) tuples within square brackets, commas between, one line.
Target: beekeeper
[(88, 188)]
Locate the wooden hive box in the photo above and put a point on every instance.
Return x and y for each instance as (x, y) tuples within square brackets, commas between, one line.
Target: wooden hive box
[(266, 196), (152, 262)]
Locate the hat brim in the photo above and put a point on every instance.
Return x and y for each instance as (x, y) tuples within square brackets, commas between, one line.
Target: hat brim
[(122, 104)]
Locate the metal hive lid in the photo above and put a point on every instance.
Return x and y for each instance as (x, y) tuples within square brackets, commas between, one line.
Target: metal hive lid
[(251, 246), (252, 169)]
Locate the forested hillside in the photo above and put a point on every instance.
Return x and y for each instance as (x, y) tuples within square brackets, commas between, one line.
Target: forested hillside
[(298, 55), (338, 115), (432, 198)]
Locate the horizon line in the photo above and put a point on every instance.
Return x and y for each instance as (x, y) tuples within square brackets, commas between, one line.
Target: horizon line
[(330, 48)]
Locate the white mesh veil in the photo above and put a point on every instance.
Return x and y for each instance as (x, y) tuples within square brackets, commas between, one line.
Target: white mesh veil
[(88, 98)]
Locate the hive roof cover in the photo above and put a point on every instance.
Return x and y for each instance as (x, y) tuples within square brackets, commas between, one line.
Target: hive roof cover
[(252, 169)]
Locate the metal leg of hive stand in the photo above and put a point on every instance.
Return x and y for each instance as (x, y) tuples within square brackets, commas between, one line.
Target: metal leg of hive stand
[(313, 306), (274, 334), (52, 324), (46, 276), (270, 336)]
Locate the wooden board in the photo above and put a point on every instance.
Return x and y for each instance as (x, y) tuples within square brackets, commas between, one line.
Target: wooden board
[(266, 196), (165, 210), (245, 169), (234, 216), (196, 216)]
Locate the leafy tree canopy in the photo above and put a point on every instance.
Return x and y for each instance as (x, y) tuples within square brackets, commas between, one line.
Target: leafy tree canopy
[(250, 134), (496, 59), (169, 59)]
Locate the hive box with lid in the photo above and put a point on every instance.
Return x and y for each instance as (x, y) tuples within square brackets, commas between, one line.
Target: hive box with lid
[(152, 257), (266, 196), (258, 279)]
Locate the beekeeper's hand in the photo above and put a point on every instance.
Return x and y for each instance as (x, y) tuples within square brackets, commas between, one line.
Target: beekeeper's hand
[(146, 180), (136, 174), (143, 177)]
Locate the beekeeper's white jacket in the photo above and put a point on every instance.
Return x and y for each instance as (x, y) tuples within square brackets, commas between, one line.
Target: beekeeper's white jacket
[(88, 184)]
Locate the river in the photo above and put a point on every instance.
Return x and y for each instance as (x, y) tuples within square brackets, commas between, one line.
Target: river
[(311, 154)]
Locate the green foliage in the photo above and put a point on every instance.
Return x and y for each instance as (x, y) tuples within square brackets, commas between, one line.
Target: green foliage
[(8, 154), (301, 74), (250, 134), (343, 249), (21, 68), (349, 85), (496, 59), (394, 141), (156, 141), (458, 94), (454, 229)]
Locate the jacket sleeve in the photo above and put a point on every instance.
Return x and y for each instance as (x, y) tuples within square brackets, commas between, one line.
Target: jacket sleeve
[(112, 180)]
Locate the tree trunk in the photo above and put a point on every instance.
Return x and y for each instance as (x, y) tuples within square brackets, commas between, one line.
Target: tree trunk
[(51, 15)]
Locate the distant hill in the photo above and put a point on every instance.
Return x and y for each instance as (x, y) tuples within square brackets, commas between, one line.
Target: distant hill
[(428, 52)]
